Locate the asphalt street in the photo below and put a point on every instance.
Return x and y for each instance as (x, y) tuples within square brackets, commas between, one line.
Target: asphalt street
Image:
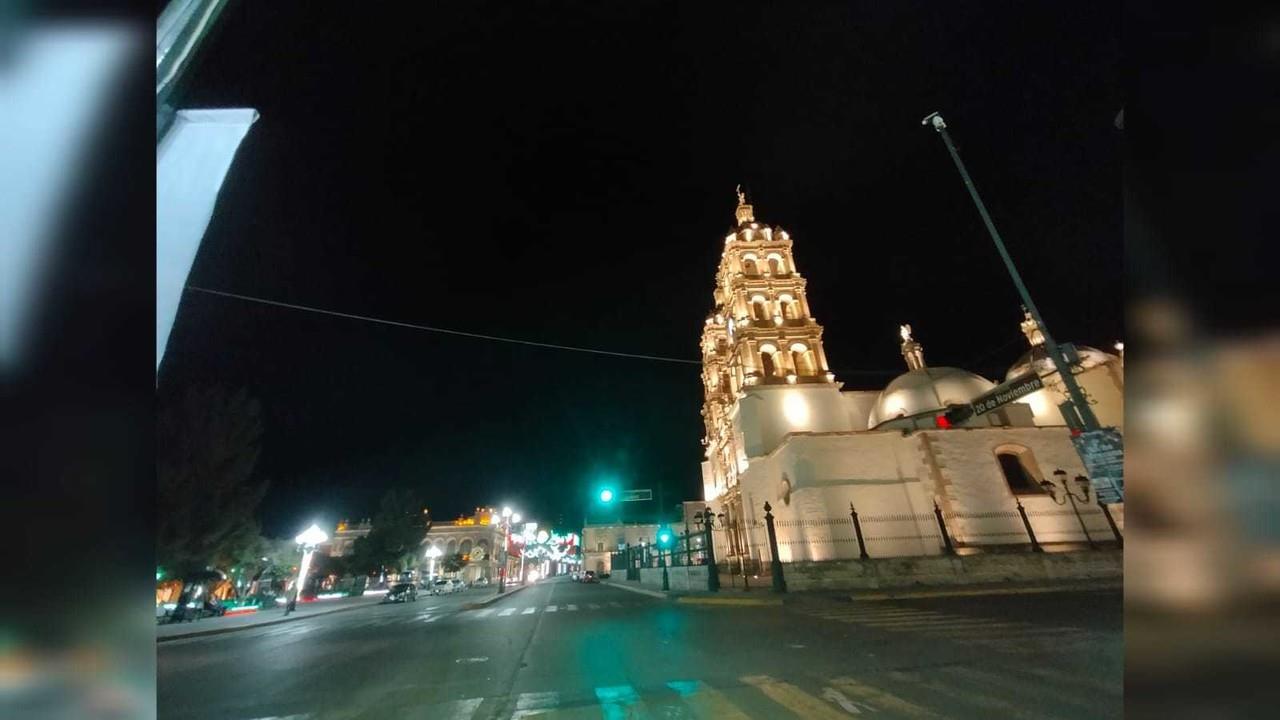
[(566, 650)]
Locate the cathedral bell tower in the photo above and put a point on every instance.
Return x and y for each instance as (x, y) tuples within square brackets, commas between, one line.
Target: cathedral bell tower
[(760, 332)]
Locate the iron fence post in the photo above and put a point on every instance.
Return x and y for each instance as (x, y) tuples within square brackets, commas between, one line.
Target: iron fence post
[(857, 529), (1035, 544), (1112, 522), (709, 551), (942, 525), (779, 583)]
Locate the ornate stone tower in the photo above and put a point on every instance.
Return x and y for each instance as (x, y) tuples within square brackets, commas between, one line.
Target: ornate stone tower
[(760, 333)]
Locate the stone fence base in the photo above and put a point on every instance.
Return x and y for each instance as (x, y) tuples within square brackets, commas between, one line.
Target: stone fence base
[(941, 570), (681, 579)]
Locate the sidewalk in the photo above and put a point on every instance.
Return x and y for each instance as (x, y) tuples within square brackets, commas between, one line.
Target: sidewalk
[(726, 596), (265, 616)]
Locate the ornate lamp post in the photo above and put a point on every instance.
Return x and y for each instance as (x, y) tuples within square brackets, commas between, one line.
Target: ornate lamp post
[(706, 521), (433, 552), (308, 539), (1061, 476)]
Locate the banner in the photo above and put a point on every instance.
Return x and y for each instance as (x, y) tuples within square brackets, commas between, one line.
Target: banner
[(1103, 454)]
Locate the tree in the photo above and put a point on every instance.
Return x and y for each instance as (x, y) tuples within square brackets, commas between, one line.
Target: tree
[(455, 562), (208, 442), (397, 531)]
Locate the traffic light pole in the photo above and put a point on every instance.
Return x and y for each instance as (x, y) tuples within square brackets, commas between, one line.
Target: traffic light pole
[(1087, 420)]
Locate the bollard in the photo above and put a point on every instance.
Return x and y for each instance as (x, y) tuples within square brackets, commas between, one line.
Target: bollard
[(779, 583), (942, 525), (857, 528), (1035, 544), (1111, 521)]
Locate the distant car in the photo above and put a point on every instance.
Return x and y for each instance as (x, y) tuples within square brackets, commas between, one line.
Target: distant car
[(574, 576), (402, 592), (443, 587), (458, 585), (481, 582), (604, 576), (589, 576)]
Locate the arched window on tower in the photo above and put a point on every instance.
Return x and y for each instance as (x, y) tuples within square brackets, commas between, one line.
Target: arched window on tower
[(760, 308), (777, 266), (790, 308), (1020, 470), (771, 361), (805, 361), (749, 265)]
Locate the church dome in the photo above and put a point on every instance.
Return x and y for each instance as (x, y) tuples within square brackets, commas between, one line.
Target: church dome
[(926, 389), (1038, 358)]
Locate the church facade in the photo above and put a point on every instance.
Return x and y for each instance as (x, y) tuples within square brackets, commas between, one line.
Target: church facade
[(780, 428)]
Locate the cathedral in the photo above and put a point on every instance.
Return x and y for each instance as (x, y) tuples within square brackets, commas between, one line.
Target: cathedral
[(781, 428)]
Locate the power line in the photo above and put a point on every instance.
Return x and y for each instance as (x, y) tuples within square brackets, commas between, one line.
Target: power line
[(444, 331)]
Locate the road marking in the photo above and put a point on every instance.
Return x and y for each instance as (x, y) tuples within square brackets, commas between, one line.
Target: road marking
[(529, 611), (793, 698), (463, 709), (551, 608), (570, 607), (467, 661), (284, 717), (705, 701), (615, 603), (528, 704), (429, 618), (484, 612), (592, 606), (979, 696), (620, 702), (887, 701), (507, 612), (849, 706)]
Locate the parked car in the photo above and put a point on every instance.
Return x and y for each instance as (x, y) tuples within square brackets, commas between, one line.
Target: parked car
[(481, 582), (589, 576), (443, 587), (402, 592), (458, 585)]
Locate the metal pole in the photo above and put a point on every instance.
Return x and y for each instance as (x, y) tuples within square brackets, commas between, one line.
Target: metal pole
[(1071, 496), (942, 525), (709, 549), (857, 528), (1088, 420), (502, 568), (779, 582), (666, 584), (1112, 522), (1035, 544)]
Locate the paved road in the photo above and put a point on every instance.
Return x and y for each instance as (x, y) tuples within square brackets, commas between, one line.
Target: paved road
[(564, 650)]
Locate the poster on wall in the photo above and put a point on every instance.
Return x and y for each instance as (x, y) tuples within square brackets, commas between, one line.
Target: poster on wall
[(1103, 454)]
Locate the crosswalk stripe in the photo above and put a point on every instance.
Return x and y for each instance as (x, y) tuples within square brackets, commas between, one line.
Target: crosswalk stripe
[(430, 618), (461, 709), (507, 611), (551, 608), (882, 699), (592, 606), (570, 607), (529, 611), (994, 706), (705, 701), (484, 612), (794, 699), (620, 702), (528, 704)]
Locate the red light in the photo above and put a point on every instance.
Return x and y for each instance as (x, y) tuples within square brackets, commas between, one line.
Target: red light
[(942, 421)]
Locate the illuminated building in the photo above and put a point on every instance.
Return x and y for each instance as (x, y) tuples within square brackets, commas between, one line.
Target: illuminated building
[(781, 428)]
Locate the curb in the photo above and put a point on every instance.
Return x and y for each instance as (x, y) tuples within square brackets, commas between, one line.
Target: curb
[(906, 594), (745, 602), (492, 600), (223, 631), (642, 591)]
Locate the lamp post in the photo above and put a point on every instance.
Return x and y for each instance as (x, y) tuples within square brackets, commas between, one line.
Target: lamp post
[(308, 539), (1085, 418), (705, 521), (1061, 476), (506, 532), (433, 552)]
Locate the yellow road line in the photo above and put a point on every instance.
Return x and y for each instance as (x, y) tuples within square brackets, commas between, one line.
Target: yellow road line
[(705, 701), (884, 700), (794, 699)]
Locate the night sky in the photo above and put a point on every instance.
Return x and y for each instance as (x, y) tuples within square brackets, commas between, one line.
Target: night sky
[(564, 173)]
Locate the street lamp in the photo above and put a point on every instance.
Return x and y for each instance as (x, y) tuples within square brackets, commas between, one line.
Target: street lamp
[(1061, 476), (433, 552), (308, 539), (706, 521), (1085, 418), (508, 517)]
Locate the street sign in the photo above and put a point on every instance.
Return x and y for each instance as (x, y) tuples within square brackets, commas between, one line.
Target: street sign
[(635, 495), (1017, 388), (1103, 454)]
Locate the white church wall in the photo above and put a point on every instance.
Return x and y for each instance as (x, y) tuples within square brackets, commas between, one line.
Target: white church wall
[(858, 404), (1103, 384), (769, 412)]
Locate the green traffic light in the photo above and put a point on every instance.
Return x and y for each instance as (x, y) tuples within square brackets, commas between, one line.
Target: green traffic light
[(664, 538), (606, 495)]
